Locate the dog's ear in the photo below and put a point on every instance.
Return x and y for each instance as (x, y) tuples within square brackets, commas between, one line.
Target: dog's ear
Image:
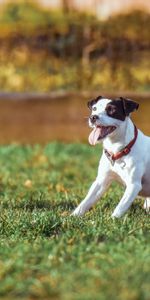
[(129, 105), (94, 101), (90, 104)]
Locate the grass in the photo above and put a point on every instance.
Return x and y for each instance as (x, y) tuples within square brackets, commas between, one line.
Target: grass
[(45, 253)]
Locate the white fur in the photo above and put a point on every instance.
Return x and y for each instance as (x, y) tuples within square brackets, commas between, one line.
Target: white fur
[(132, 170)]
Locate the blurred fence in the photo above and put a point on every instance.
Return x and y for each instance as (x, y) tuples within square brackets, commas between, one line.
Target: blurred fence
[(40, 118)]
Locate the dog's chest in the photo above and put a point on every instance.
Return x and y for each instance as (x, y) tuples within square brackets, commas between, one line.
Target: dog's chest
[(121, 171)]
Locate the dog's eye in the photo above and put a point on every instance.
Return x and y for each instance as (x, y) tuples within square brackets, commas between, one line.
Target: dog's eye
[(110, 109), (94, 108)]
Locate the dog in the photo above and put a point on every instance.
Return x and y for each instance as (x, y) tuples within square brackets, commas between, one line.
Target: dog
[(126, 154)]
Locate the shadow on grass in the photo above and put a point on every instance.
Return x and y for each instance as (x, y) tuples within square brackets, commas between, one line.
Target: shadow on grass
[(32, 203)]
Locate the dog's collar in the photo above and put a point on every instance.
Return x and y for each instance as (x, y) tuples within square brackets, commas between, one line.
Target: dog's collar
[(113, 157)]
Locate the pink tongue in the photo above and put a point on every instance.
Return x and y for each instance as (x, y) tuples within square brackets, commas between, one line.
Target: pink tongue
[(94, 135)]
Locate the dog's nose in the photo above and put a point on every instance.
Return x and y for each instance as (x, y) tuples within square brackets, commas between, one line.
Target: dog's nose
[(93, 118)]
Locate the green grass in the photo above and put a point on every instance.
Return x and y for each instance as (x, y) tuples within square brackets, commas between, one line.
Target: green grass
[(45, 253)]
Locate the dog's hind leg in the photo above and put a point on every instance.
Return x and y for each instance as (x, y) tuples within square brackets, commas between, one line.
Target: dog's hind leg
[(147, 204), (95, 192)]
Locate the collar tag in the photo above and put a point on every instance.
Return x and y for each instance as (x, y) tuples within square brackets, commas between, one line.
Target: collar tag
[(109, 156)]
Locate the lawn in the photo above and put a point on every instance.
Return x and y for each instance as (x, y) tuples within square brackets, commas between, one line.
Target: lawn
[(45, 253)]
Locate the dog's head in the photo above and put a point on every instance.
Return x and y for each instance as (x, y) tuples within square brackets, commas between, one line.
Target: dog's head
[(107, 115)]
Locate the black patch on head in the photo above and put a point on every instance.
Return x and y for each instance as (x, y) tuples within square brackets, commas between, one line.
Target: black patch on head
[(121, 108), (94, 101), (129, 105)]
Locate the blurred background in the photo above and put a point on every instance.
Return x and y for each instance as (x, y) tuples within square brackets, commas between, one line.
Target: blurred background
[(57, 54)]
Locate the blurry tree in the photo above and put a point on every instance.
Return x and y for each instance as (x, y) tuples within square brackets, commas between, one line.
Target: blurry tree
[(71, 47)]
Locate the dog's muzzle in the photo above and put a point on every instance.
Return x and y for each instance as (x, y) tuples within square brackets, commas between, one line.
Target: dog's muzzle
[(93, 118)]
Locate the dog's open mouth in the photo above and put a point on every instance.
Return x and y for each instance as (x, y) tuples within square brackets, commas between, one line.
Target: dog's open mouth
[(99, 133)]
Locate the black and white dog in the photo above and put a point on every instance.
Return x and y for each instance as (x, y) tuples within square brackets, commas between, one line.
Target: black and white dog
[(126, 154)]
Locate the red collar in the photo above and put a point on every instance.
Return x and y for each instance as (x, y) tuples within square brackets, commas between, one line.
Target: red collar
[(113, 157)]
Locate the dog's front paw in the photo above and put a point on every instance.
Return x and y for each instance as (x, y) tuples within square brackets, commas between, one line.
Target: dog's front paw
[(78, 212), (116, 214), (146, 205)]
